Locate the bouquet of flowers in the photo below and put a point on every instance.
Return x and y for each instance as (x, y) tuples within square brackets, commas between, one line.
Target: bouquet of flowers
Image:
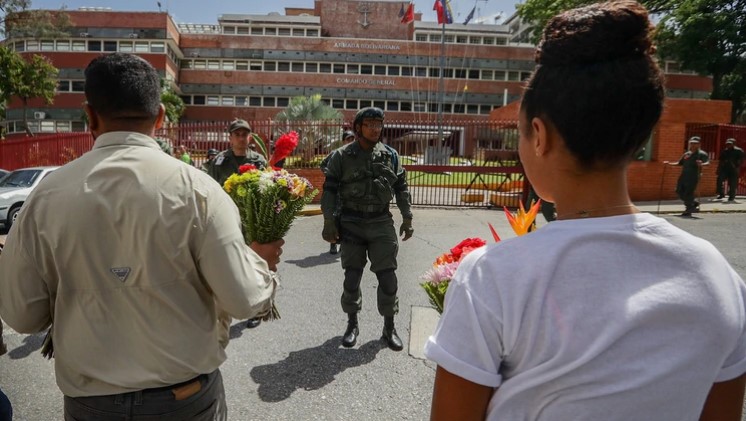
[(268, 202), (436, 280)]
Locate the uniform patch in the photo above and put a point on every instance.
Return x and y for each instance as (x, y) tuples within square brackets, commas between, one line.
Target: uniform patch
[(121, 273)]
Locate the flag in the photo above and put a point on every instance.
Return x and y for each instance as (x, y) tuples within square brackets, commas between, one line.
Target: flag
[(443, 9), (409, 14), (470, 16), (401, 11)]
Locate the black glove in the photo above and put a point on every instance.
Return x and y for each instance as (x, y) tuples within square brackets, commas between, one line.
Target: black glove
[(330, 232), (406, 229)]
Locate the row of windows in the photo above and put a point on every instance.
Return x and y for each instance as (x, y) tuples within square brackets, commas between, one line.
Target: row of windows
[(91, 45), (271, 31), (70, 86), (46, 126), (461, 39), (342, 104), (353, 69)]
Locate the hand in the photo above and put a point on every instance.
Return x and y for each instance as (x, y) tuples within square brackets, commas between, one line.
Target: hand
[(406, 229), (330, 232), (269, 251)]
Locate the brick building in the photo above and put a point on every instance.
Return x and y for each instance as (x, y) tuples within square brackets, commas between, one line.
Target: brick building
[(353, 53)]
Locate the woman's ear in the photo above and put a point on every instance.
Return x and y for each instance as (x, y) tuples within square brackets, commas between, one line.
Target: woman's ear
[(542, 137)]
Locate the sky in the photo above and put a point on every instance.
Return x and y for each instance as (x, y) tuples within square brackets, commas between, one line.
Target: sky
[(201, 11)]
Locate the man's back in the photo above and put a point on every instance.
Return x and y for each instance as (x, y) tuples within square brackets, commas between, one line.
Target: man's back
[(133, 311)]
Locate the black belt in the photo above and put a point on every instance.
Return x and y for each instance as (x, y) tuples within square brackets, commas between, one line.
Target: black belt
[(366, 215)]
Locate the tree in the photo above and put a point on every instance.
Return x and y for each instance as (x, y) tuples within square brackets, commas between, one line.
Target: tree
[(16, 20), (706, 36), (174, 105), (310, 117), (26, 79)]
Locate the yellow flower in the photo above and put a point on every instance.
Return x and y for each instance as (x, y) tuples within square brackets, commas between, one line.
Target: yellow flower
[(522, 220), (241, 191)]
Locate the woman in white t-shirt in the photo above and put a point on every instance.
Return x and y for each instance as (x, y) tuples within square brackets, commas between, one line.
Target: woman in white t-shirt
[(625, 316)]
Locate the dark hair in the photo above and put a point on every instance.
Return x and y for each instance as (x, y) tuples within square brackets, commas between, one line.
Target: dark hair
[(596, 81), (123, 86)]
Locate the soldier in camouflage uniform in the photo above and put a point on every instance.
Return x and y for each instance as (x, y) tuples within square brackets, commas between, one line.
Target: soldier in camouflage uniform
[(691, 170), (226, 163), (363, 177)]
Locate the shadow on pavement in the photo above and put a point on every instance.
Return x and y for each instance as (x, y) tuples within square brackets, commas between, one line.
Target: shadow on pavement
[(31, 343), (310, 369), (322, 259)]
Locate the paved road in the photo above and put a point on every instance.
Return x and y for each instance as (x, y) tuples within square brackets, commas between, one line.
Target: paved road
[(294, 368)]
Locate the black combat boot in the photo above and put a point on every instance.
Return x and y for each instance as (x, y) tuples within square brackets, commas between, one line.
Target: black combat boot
[(389, 334), (350, 337)]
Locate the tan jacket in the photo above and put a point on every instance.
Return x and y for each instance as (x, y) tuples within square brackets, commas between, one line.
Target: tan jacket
[(132, 255)]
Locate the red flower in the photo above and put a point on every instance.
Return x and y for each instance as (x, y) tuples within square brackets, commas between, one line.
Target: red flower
[(284, 146), (465, 247), (246, 167)]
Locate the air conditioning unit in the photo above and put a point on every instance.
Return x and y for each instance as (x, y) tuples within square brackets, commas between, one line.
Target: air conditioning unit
[(39, 115), (83, 34), (133, 35)]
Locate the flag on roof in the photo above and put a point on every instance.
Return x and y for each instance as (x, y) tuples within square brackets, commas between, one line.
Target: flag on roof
[(401, 11), (443, 10), (409, 14), (470, 16)]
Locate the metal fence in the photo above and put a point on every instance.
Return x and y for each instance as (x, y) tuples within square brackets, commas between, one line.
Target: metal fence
[(471, 164)]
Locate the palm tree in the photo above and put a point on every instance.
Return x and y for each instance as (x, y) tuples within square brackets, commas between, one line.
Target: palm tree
[(314, 120)]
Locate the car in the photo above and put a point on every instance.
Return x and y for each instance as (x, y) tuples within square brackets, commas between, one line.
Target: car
[(15, 188), (3, 173)]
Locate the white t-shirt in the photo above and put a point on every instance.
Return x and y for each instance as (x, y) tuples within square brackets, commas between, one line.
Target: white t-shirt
[(618, 318)]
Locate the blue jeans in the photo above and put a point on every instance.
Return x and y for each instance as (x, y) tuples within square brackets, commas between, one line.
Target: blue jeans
[(200, 399), (6, 411)]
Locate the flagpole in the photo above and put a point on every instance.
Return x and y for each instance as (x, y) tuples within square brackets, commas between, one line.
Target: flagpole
[(441, 81)]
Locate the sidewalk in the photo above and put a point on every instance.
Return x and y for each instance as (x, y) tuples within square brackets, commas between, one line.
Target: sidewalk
[(707, 205)]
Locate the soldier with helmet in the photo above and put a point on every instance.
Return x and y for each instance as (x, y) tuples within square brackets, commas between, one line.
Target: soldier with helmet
[(211, 154), (362, 178)]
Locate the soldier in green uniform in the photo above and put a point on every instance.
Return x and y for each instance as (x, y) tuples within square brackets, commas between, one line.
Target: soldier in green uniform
[(226, 163), (729, 164), (363, 177), (691, 169)]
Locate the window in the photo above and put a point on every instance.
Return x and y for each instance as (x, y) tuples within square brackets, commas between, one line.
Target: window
[(21, 46), (63, 126), (420, 37), (32, 45), (338, 103), (500, 75), (283, 101), (157, 47), (283, 32), (257, 31), (419, 107), (78, 126), (460, 73), (447, 108), (242, 30), (312, 67), (240, 101), (94, 45), (339, 68), (351, 104), (47, 126), (473, 74), (110, 46), (420, 71), (392, 106), (488, 41), (299, 32), (379, 70), (297, 67), (78, 86), (379, 104), (458, 108), (228, 101), (269, 101), (187, 99), (475, 40), (63, 86), (213, 64), (142, 47), (270, 31), (198, 100), (434, 72), (213, 100), (366, 69), (353, 69), (255, 101), (47, 45), (393, 71), (124, 46), (448, 39), (514, 76), (485, 109), (270, 66), (487, 75), (448, 73), (283, 66), (229, 29), (200, 64), (365, 103), (254, 66), (312, 32), (525, 76), (434, 38), (406, 71), (405, 106), (472, 109), (325, 68)]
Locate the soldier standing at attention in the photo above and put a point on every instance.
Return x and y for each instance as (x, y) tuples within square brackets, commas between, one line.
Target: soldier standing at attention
[(691, 169), (729, 163), (363, 177), (226, 163)]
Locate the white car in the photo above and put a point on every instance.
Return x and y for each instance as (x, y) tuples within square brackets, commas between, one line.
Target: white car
[(15, 188)]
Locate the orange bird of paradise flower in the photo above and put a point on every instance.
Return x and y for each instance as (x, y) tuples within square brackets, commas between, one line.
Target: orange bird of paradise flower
[(521, 221)]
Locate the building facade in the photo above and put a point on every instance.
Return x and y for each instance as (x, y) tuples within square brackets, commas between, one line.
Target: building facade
[(353, 53)]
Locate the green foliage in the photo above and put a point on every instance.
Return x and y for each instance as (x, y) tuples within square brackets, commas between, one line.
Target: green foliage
[(174, 105), (17, 21), (26, 79), (706, 36), (310, 117)]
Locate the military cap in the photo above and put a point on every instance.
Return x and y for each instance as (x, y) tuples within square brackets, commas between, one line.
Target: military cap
[(238, 124)]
